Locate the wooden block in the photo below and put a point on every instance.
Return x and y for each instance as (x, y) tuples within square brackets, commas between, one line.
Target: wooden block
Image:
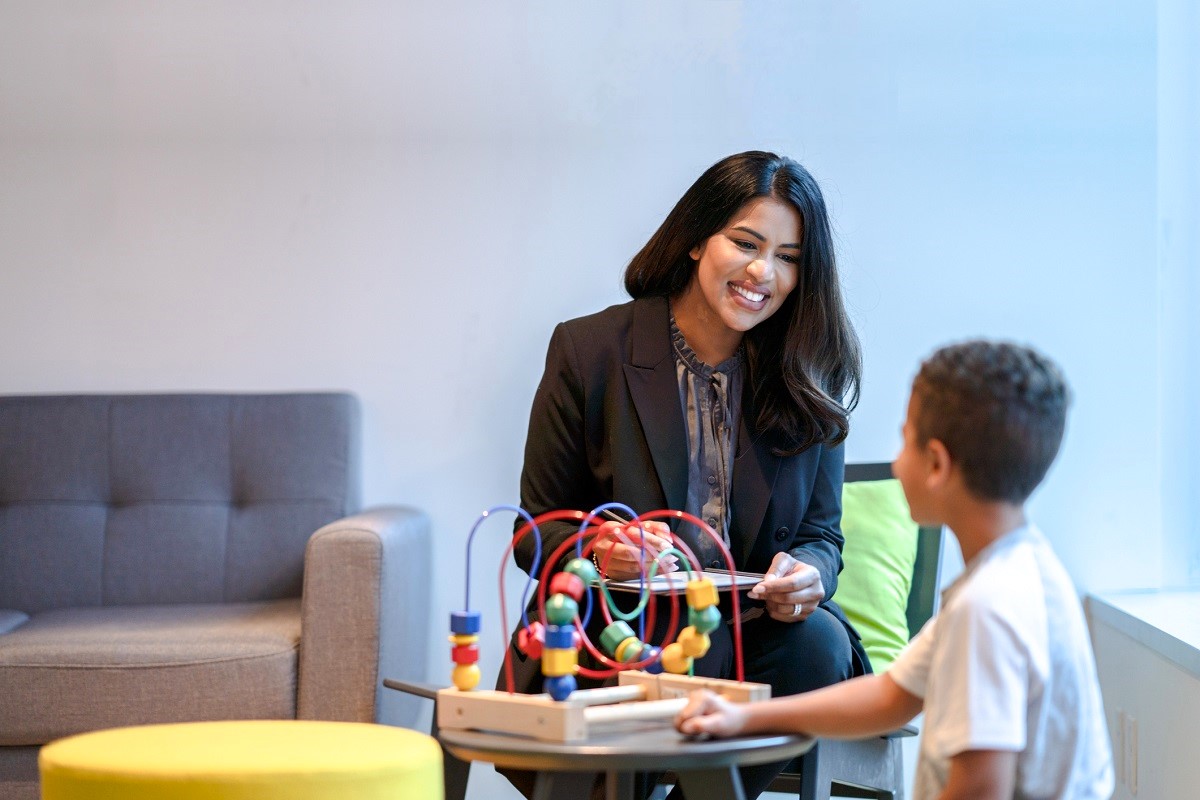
[(665, 686), (636, 677), (656, 710), (607, 694), (534, 715), (641, 697)]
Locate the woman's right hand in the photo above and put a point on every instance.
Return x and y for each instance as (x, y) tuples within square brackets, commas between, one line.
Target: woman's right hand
[(619, 552)]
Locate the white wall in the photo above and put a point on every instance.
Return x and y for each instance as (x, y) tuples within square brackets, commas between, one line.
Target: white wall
[(401, 200), (1179, 285)]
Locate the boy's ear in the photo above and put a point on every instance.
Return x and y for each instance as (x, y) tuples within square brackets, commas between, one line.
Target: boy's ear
[(939, 463)]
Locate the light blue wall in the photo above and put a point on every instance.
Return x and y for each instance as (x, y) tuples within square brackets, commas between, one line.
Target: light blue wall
[(403, 201), (1179, 285)]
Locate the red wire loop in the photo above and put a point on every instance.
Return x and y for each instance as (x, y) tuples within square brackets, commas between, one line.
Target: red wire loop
[(588, 547)]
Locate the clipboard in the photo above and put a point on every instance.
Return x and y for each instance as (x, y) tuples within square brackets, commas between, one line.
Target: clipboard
[(724, 579)]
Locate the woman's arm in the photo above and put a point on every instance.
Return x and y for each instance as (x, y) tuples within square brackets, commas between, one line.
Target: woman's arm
[(818, 539), (555, 474), (806, 574)]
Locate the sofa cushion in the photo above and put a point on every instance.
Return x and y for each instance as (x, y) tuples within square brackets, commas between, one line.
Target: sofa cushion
[(112, 500), (71, 670)]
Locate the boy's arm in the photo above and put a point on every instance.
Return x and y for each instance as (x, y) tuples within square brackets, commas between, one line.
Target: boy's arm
[(981, 775), (864, 706)]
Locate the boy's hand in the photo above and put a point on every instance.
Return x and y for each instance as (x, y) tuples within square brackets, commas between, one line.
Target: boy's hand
[(792, 589), (709, 713), (623, 541)]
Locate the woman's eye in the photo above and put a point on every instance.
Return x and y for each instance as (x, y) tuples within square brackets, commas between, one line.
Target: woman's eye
[(789, 258), (745, 245)]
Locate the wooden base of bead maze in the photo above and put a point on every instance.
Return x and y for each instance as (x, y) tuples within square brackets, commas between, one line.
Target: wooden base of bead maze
[(638, 697)]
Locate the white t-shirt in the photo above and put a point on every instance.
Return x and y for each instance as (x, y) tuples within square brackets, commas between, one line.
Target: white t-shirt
[(1007, 665)]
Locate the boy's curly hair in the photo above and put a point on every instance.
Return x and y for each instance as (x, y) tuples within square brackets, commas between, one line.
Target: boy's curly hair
[(1000, 410)]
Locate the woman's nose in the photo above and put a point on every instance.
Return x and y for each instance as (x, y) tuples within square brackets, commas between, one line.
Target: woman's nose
[(761, 268)]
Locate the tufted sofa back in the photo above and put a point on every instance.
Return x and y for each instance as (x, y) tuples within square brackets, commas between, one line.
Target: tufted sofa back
[(137, 499)]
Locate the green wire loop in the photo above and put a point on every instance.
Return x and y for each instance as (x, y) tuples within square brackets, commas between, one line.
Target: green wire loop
[(645, 593)]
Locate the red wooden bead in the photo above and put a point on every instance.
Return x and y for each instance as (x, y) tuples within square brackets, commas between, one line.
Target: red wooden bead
[(568, 584), (465, 653), (531, 640)]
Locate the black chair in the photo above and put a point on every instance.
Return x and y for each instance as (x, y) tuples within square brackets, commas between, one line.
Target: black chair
[(873, 767)]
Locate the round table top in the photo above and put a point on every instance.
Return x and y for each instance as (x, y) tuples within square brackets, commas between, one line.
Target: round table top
[(644, 749)]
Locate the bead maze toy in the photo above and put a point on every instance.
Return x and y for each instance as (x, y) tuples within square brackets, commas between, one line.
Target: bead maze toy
[(653, 681)]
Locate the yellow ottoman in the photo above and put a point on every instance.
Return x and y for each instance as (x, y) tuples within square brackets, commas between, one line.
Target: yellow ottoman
[(260, 759)]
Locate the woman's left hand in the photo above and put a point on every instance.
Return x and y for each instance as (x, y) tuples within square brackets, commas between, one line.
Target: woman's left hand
[(792, 589)]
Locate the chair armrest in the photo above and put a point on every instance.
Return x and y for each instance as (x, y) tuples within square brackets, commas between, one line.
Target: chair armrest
[(902, 733), (365, 616)]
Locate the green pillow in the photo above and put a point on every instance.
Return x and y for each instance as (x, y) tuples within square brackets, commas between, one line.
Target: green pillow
[(880, 549)]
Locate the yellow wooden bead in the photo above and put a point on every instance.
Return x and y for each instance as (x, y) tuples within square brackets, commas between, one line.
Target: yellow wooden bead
[(559, 662), (466, 676), (464, 638), (674, 660), (701, 593), (694, 643), (628, 649)]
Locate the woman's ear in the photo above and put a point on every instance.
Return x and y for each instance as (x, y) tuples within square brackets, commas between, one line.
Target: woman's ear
[(697, 251)]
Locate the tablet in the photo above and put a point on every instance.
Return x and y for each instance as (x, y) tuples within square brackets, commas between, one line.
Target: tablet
[(677, 581)]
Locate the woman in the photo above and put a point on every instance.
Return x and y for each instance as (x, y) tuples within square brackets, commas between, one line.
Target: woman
[(723, 389)]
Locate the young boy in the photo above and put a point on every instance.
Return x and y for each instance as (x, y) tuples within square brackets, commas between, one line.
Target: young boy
[(1005, 672)]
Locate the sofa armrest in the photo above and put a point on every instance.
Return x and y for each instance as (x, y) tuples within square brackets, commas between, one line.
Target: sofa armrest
[(365, 616)]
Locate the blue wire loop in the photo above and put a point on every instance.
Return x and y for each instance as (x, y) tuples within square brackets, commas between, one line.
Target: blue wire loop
[(537, 556), (643, 589)]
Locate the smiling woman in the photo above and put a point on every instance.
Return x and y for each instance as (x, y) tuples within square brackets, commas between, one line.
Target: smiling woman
[(724, 390)]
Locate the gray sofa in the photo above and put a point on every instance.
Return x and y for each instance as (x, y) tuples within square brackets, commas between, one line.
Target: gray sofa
[(192, 557)]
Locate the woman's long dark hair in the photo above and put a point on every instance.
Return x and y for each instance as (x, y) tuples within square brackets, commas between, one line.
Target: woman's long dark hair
[(804, 363)]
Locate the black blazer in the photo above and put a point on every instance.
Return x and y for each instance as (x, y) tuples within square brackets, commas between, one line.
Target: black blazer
[(607, 425)]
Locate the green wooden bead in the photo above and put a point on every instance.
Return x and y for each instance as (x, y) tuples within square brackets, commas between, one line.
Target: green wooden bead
[(584, 568), (561, 609), (613, 635), (706, 620)]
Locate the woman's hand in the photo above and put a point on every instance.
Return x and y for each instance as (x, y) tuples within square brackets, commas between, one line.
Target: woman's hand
[(792, 589), (619, 552), (710, 714)]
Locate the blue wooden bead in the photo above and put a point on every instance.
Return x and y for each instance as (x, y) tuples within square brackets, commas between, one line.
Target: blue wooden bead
[(465, 622), (655, 667), (560, 687), (560, 637)]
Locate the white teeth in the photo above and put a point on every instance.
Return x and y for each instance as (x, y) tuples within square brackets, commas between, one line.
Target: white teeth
[(753, 297)]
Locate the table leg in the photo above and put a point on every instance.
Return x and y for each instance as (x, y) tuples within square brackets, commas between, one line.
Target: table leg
[(455, 773), (711, 784), (618, 785), (558, 785)]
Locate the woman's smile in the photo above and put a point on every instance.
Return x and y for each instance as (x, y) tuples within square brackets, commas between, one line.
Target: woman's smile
[(750, 295)]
